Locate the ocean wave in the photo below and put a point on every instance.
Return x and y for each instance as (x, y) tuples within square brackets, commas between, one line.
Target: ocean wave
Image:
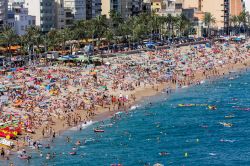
[(83, 125), (202, 81), (227, 140), (212, 154), (134, 107)]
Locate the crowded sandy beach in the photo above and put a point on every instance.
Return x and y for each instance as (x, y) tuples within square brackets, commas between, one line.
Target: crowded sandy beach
[(40, 102)]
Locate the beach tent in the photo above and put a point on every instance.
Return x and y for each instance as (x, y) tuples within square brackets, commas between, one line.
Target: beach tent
[(107, 63), (96, 59), (237, 39), (150, 45), (61, 59), (208, 45), (82, 58)]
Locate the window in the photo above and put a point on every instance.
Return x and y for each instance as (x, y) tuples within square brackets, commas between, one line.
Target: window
[(22, 27)]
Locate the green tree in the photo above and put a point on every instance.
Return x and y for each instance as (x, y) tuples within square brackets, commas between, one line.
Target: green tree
[(170, 24), (234, 22), (65, 35), (243, 20), (8, 37), (208, 20), (96, 28), (33, 38), (53, 39), (182, 24)]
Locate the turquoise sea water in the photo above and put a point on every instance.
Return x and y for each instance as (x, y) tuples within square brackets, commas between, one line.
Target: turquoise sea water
[(190, 135)]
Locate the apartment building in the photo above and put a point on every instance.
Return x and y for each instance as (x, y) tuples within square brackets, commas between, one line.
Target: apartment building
[(158, 5), (125, 7), (19, 19), (173, 7), (220, 11), (112, 5), (93, 8), (3, 11), (59, 14), (137, 7), (236, 7), (77, 7), (44, 11)]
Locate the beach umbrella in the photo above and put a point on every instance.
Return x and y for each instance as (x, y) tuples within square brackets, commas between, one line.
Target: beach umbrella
[(96, 59), (61, 59), (107, 63), (82, 58), (9, 76), (248, 47), (92, 73)]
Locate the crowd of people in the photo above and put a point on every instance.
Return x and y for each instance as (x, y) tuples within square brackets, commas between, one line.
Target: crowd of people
[(43, 99)]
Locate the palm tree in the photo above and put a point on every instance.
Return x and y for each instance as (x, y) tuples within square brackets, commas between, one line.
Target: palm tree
[(234, 20), (125, 30), (248, 21), (9, 37), (23, 45), (79, 30), (99, 25), (109, 36), (182, 24), (170, 24), (33, 38), (65, 35), (243, 19), (53, 39), (208, 21)]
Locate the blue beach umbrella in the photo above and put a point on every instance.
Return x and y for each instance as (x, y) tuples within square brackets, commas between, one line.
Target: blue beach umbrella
[(9, 76)]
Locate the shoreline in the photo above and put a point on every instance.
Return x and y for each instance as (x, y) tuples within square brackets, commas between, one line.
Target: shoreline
[(140, 93), (150, 92)]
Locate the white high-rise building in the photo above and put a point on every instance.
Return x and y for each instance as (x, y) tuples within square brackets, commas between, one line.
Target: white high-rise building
[(19, 19), (3, 11), (93, 8), (59, 14), (17, 1), (44, 11), (77, 7)]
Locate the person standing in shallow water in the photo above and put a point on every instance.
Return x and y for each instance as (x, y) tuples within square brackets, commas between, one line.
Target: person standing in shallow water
[(54, 134), (43, 132), (2, 153)]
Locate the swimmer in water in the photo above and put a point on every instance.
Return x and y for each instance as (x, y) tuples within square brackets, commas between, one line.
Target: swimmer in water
[(163, 153), (47, 146), (68, 139), (48, 156), (78, 142), (54, 154)]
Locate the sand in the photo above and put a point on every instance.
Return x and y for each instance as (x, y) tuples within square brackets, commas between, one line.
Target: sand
[(139, 93)]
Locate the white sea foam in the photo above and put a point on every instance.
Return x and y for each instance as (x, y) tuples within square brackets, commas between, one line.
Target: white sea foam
[(202, 81), (134, 107), (212, 154), (83, 126), (227, 140)]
